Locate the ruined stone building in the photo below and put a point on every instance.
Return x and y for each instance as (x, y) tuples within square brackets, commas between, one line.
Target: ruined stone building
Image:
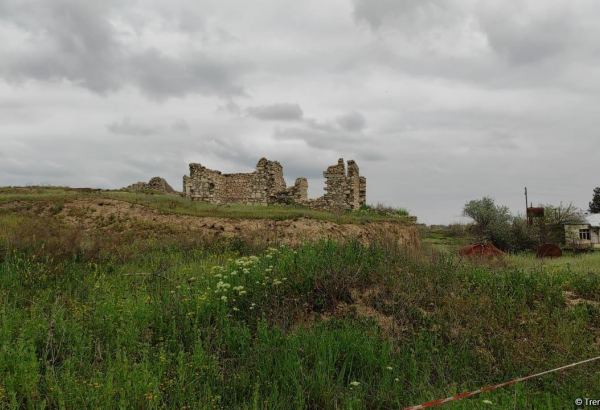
[(344, 189), (156, 184)]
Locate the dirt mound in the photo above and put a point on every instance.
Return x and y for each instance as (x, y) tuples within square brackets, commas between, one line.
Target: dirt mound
[(548, 250), (365, 304), (484, 250), (119, 216), (571, 299)]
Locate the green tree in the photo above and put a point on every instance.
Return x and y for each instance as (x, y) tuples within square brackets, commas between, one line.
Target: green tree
[(595, 204), (523, 237), (550, 228), (563, 214), (492, 222)]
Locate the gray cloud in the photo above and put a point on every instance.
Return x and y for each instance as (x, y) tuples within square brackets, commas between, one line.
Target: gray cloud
[(407, 12), (277, 112), (525, 37), (371, 155), (65, 39), (353, 121), (127, 126), (344, 130), (181, 126), (230, 107), (499, 140), (160, 76), (78, 42), (523, 32), (311, 137)]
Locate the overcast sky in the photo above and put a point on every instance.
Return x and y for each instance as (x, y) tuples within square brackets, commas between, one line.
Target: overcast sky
[(438, 101)]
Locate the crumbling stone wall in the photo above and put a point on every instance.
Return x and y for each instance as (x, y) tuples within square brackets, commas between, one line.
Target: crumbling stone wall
[(343, 190), (259, 187), (157, 184), (296, 194)]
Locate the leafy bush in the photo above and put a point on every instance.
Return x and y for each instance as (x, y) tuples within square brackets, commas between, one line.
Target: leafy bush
[(594, 206), (492, 222), (495, 223), (522, 236)]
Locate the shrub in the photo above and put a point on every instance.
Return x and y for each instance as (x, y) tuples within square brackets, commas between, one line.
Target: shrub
[(492, 222), (383, 210)]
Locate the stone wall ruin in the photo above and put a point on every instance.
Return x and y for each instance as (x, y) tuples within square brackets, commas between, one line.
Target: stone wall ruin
[(156, 184), (344, 189), (347, 190)]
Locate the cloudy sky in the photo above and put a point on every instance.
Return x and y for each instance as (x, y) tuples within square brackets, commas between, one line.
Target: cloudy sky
[(439, 101)]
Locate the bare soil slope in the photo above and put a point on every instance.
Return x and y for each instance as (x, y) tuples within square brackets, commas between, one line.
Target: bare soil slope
[(115, 215)]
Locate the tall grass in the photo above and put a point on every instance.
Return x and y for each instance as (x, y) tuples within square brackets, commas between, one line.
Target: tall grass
[(164, 323)]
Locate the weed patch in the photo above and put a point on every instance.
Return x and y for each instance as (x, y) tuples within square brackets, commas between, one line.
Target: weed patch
[(162, 320)]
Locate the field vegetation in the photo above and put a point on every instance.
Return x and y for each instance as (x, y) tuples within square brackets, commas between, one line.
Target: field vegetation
[(177, 205), (514, 233), (156, 319)]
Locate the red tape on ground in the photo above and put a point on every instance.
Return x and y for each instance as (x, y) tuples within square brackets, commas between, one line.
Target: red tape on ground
[(464, 395)]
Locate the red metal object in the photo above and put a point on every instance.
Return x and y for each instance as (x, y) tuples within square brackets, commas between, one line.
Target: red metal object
[(535, 212), (485, 250), (548, 250), (467, 394)]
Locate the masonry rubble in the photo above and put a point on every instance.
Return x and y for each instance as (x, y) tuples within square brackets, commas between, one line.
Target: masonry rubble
[(156, 184), (345, 189)]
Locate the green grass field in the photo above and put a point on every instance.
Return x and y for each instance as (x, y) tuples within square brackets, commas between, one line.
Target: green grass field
[(161, 321)]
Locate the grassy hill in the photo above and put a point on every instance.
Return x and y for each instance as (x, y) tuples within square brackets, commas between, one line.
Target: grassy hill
[(162, 319), (174, 204)]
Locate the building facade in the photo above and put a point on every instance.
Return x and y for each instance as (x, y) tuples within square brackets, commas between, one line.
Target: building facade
[(584, 236)]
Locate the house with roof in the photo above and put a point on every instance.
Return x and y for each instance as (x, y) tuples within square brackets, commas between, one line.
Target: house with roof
[(584, 236)]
